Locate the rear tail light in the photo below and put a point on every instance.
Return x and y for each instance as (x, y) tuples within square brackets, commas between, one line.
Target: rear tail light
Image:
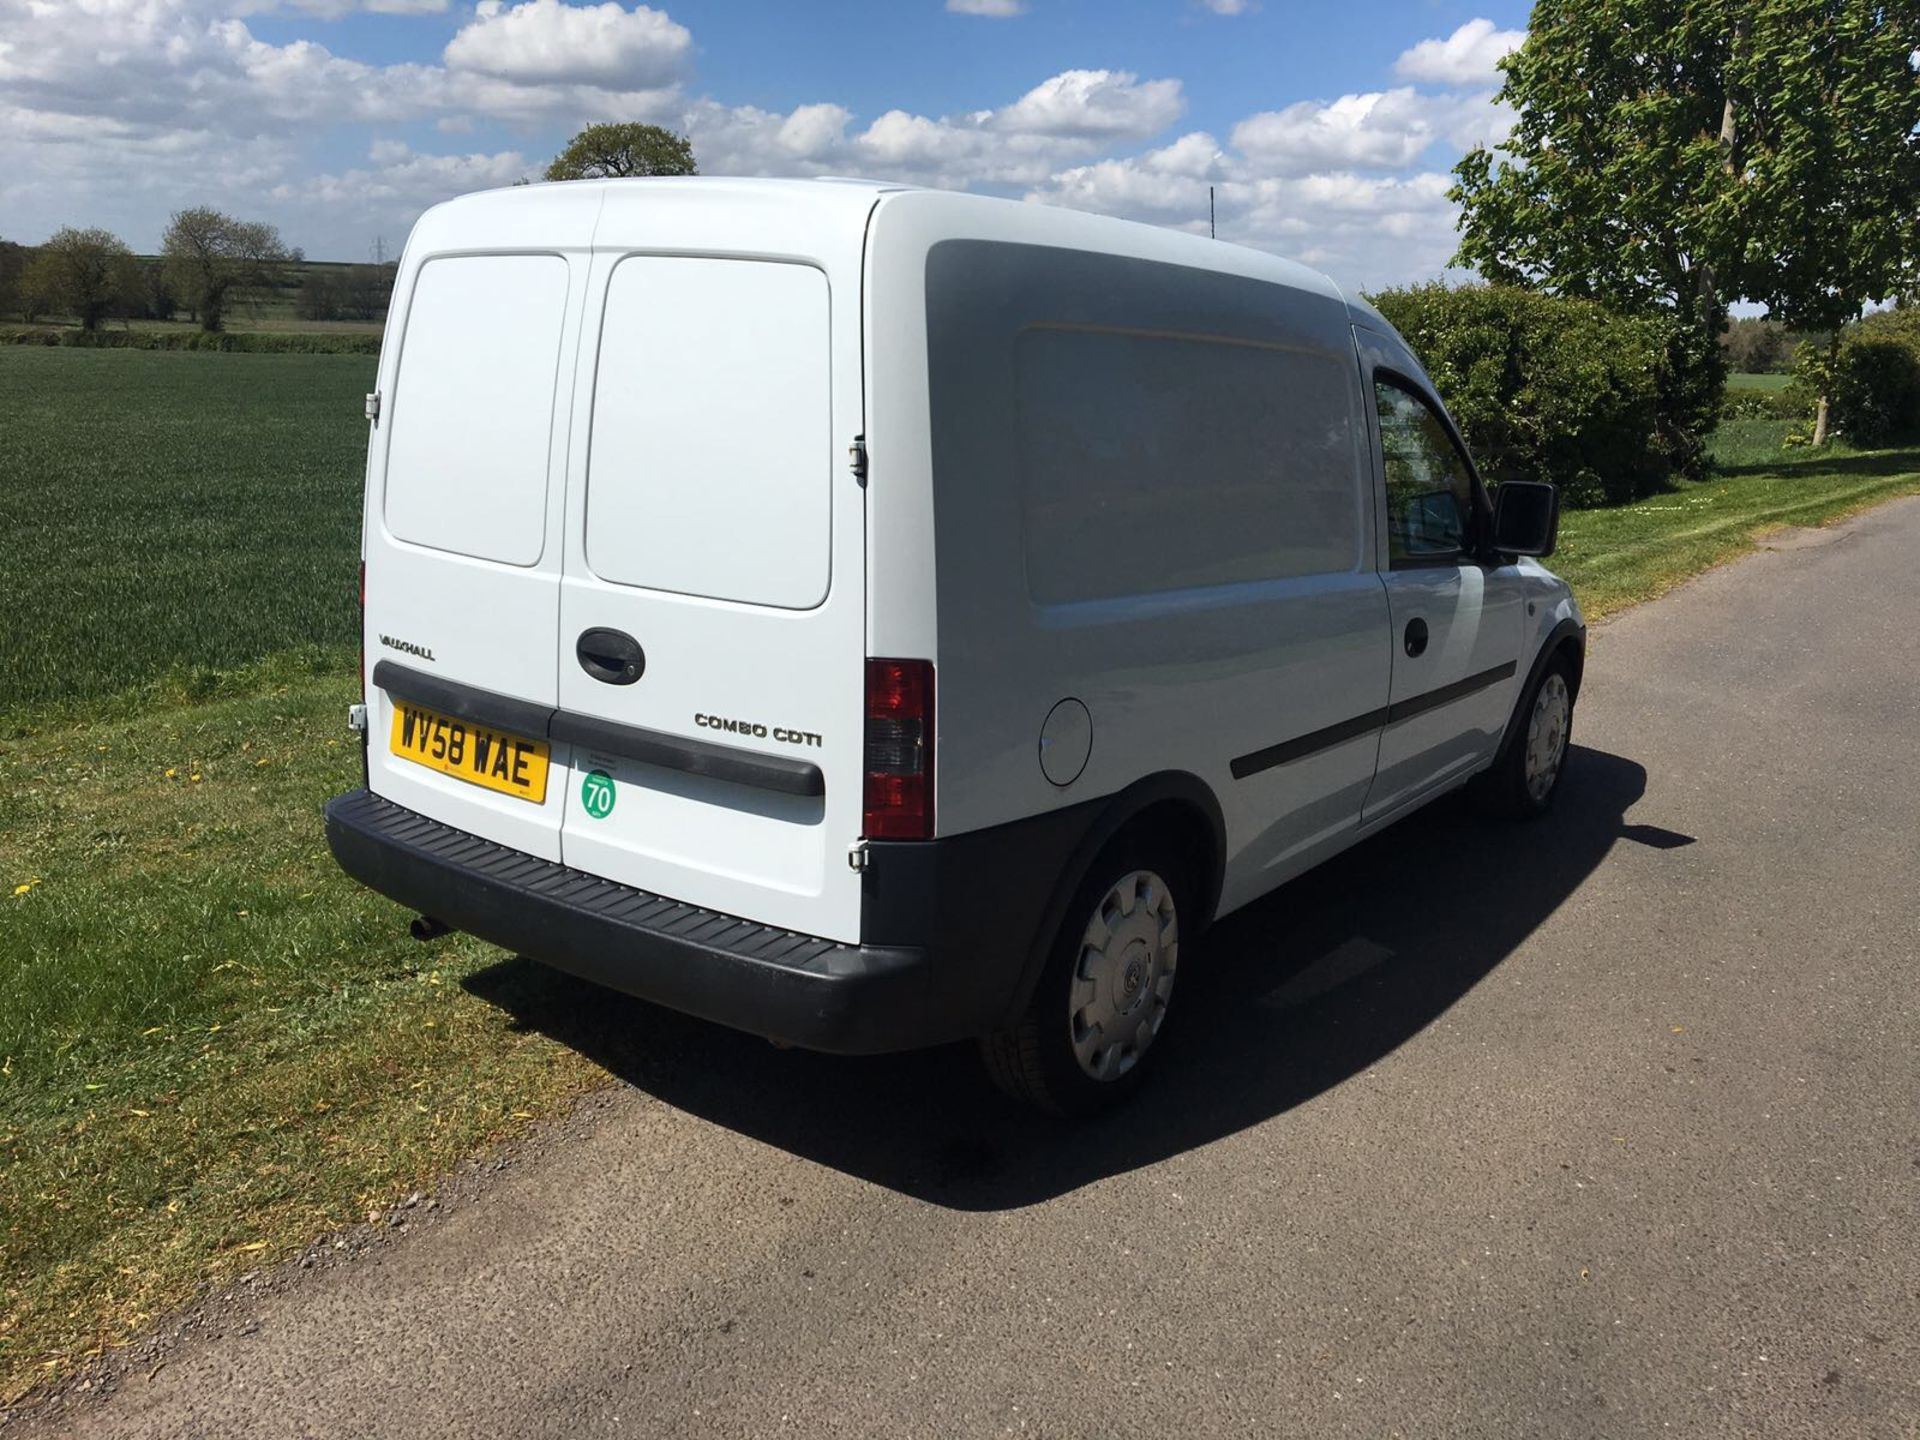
[(899, 763)]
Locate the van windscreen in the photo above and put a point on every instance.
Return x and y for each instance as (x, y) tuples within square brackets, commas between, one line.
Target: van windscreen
[(711, 456), (470, 421)]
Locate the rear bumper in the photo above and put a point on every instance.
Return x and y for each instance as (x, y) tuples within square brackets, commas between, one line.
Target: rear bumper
[(796, 989)]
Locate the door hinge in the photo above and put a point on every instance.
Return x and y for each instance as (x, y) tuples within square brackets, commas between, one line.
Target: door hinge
[(373, 407), (357, 719), (857, 855), (857, 458)]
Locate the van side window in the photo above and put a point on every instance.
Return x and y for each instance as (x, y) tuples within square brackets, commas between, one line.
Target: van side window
[(1156, 461), (1429, 487)]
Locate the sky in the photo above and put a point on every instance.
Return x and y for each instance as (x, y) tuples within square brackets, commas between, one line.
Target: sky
[(1327, 129)]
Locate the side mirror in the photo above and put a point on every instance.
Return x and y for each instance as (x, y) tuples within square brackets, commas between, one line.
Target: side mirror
[(1526, 518)]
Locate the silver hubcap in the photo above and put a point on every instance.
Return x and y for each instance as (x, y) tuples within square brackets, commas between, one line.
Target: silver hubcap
[(1547, 736), (1125, 974)]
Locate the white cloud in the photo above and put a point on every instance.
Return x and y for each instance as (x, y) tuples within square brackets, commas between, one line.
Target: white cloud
[(1094, 103), (1059, 122), (992, 9), (1469, 56), (334, 9), (544, 41), (1168, 185), (814, 129), (404, 181), (1379, 131), (1383, 130), (1229, 7), (1366, 231)]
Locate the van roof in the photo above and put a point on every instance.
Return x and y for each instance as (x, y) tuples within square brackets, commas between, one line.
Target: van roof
[(970, 213)]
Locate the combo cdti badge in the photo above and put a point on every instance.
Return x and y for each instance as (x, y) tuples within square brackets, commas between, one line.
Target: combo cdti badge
[(875, 617)]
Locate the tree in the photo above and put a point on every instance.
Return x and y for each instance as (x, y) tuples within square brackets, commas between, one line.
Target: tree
[(1756, 346), (88, 274), (209, 256), (1675, 156), (13, 268), (319, 297), (365, 290), (160, 302), (602, 152)]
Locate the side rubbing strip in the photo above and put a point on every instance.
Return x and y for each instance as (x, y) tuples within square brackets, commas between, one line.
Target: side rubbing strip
[(463, 702), (695, 757), (1447, 694), (522, 717), (1304, 745)]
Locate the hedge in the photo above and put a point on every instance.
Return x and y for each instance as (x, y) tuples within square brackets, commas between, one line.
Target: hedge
[(1876, 378), (1544, 387), (288, 342)]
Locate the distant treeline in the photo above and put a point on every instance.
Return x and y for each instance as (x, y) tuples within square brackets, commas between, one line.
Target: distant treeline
[(91, 276), (345, 292)]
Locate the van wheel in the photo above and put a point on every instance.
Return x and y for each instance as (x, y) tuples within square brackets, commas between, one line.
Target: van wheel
[(1104, 997), (1521, 784)]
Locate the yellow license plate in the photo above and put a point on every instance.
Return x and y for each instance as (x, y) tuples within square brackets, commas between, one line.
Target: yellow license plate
[(493, 759)]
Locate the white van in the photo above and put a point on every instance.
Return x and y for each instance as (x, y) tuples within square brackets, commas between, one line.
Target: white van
[(874, 617)]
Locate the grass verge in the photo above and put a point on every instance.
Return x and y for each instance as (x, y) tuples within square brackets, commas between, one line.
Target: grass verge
[(213, 1046), (1619, 557)]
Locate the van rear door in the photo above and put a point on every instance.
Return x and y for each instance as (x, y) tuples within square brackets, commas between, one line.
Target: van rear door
[(712, 621), (465, 497)]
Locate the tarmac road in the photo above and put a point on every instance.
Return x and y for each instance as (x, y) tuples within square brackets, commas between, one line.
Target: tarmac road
[(1604, 1126)]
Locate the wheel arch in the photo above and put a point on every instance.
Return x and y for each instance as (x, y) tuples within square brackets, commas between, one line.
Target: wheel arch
[(1174, 803), (1566, 640)]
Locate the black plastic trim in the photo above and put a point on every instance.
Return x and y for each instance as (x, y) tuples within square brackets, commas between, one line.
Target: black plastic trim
[(612, 657), (1317, 740), (464, 702), (652, 747), (1419, 704), (694, 757), (1057, 868), (1308, 744), (798, 989)]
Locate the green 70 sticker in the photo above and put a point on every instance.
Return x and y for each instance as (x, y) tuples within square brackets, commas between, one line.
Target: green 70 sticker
[(596, 794)]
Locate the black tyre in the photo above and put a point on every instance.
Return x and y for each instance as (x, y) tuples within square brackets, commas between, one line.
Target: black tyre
[(1103, 999), (1523, 781)]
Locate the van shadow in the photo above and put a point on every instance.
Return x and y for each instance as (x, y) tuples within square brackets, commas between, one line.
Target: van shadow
[(1285, 999)]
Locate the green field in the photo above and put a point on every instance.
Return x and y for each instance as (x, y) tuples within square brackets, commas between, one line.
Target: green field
[(173, 516), (1746, 381), (212, 1045)]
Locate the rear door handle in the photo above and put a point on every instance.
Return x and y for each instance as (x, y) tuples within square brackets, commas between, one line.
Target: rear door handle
[(1416, 638), (612, 657)]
